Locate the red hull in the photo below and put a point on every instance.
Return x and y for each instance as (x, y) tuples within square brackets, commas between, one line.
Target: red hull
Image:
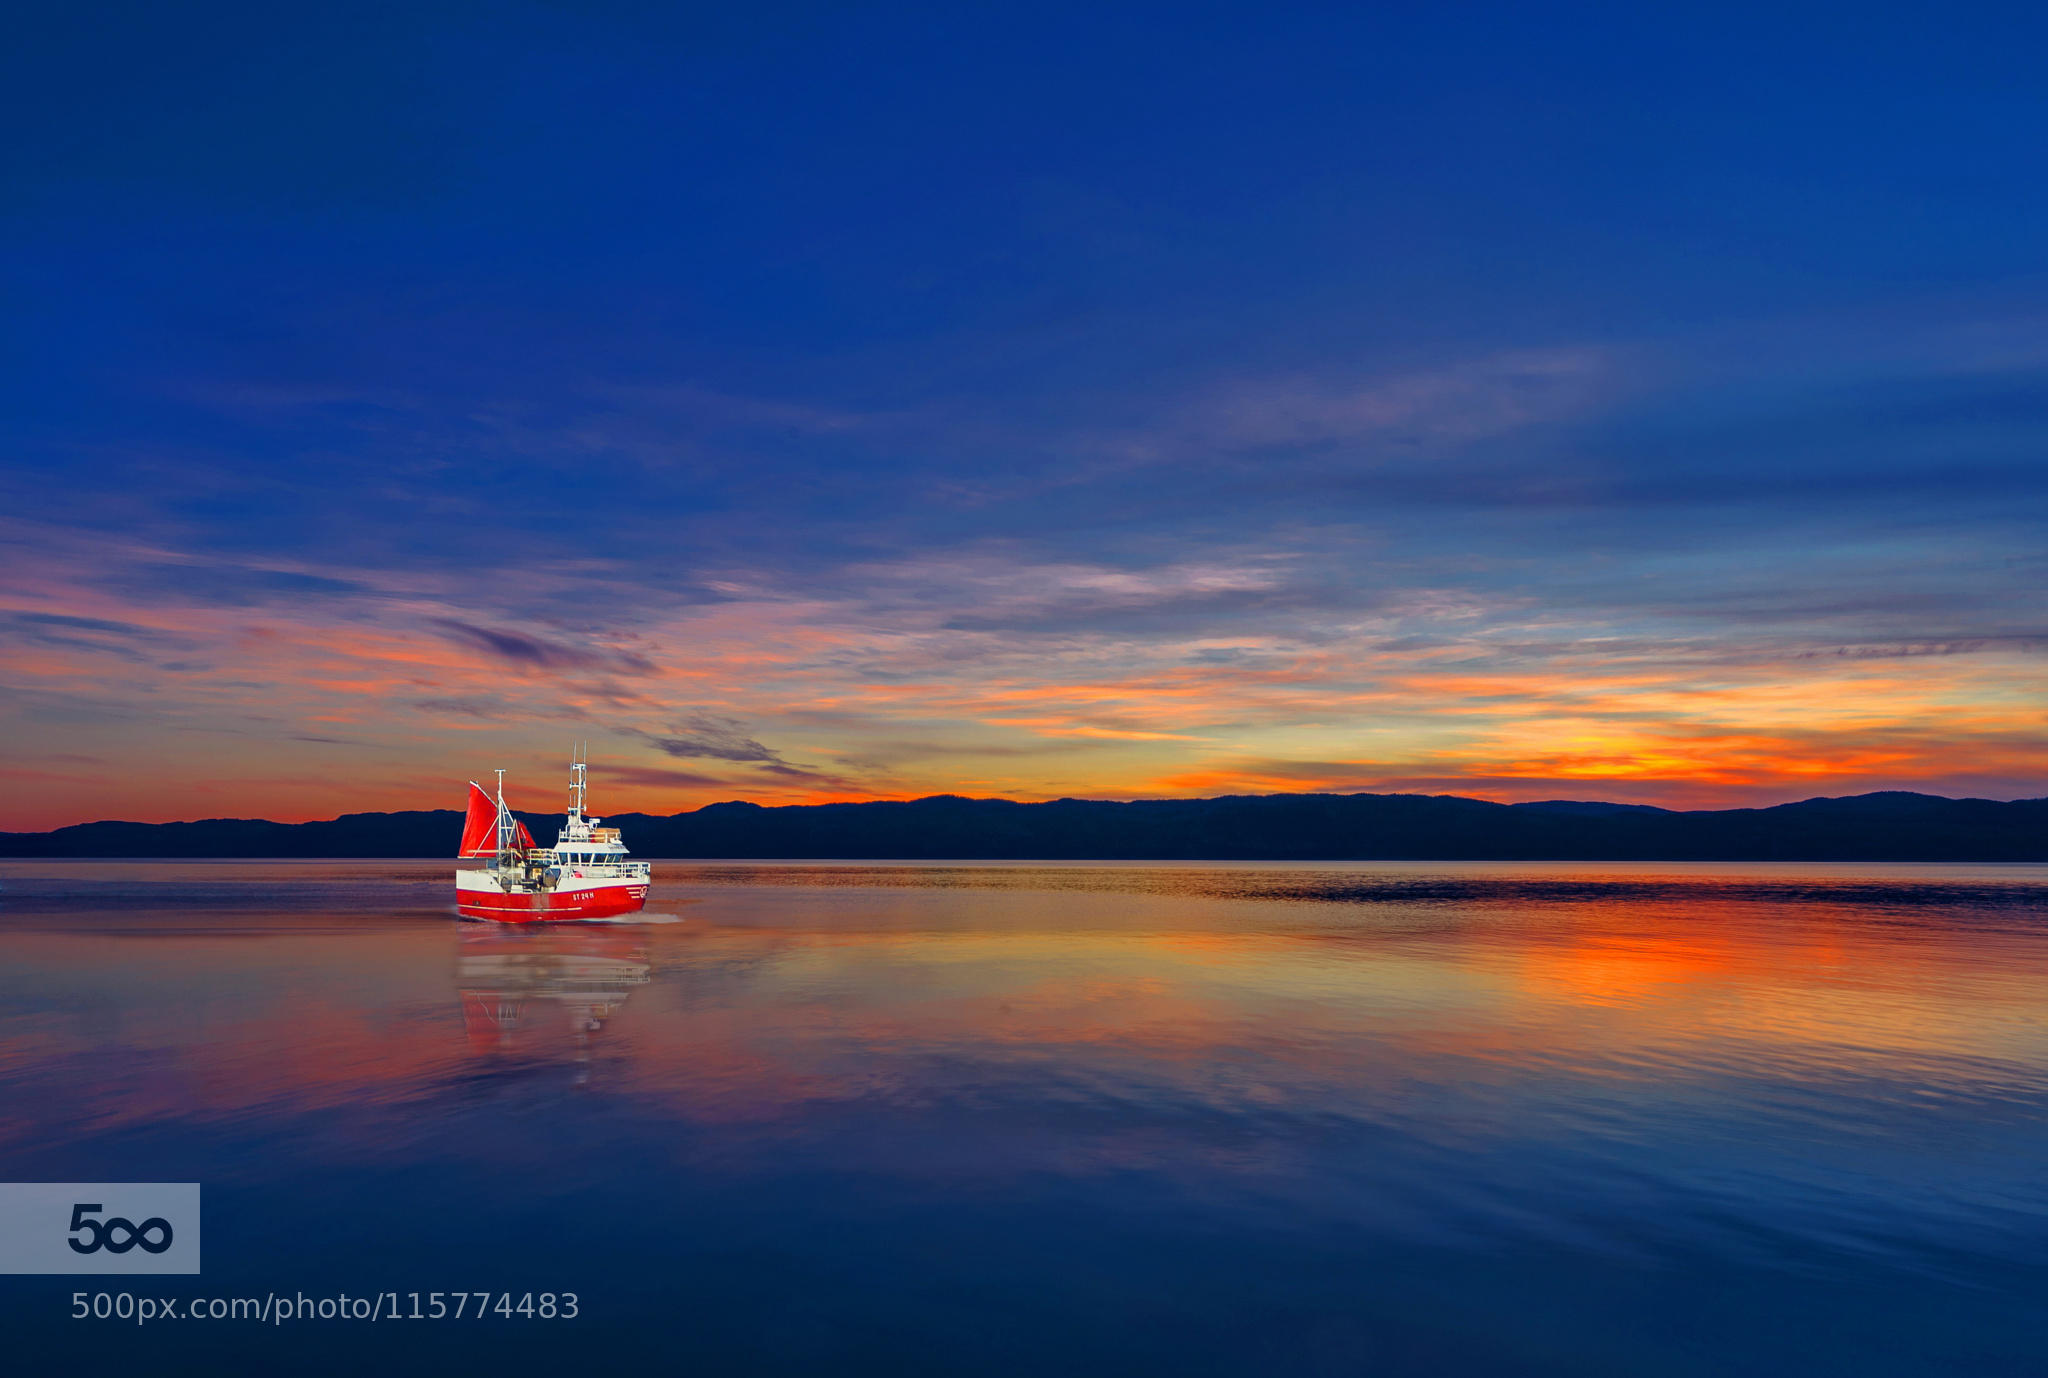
[(563, 907)]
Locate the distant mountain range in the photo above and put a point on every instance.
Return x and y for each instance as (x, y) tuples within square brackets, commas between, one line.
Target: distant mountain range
[(1891, 826)]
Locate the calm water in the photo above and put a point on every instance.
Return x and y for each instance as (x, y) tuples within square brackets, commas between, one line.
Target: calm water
[(1422, 1119)]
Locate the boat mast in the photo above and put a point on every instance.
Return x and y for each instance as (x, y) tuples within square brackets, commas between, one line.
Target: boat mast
[(504, 821), (578, 768)]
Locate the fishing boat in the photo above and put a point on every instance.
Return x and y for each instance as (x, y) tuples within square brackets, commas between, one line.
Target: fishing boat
[(585, 875)]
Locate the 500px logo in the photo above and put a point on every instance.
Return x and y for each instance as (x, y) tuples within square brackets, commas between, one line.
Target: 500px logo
[(102, 1232), (99, 1227)]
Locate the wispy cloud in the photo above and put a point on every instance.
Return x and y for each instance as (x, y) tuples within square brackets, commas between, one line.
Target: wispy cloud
[(526, 650), (1198, 599), (663, 780), (1463, 401), (708, 736)]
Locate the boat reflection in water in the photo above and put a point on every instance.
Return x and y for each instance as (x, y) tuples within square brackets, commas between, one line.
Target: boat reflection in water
[(524, 989)]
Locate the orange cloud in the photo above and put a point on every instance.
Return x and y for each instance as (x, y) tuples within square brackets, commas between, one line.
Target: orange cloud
[(373, 703)]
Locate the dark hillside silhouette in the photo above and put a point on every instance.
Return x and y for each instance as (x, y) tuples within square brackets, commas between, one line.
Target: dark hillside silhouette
[(1892, 826)]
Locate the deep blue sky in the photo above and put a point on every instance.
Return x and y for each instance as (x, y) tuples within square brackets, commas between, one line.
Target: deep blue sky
[(819, 402)]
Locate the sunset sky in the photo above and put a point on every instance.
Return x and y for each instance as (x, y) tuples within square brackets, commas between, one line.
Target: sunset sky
[(1627, 402)]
